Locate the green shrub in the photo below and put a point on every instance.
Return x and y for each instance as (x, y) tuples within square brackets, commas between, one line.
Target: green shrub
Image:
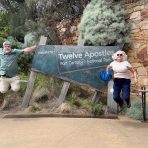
[(103, 24), (25, 62), (53, 84), (24, 84), (74, 101), (1, 41), (77, 102), (97, 108), (34, 108), (30, 39), (4, 24)]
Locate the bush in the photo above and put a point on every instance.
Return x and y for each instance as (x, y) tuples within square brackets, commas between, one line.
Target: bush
[(25, 62), (4, 24), (104, 24), (135, 111), (1, 41), (81, 103), (30, 39), (97, 109), (34, 108)]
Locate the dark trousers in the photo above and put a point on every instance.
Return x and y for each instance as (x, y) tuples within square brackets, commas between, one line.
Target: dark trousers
[(121, 85)]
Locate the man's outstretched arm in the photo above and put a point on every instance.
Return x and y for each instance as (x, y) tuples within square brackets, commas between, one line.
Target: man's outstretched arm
[(29, 49)]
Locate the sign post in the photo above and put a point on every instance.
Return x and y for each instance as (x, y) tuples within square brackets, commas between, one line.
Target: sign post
[(32, 78), (63, 92), (111, 105)]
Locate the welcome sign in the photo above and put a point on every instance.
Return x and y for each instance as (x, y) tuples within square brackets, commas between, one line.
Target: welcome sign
[(78, 64)]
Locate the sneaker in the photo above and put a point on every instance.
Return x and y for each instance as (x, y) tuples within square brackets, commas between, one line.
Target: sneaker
[(128, 105)]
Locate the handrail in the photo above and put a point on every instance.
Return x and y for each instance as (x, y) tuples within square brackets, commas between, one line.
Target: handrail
[(143, 91), (140, 90)]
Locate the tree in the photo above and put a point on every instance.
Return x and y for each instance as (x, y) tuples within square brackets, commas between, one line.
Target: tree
[(41, 16), (17, 13), (104, 23), (11, 5), (4, 24)]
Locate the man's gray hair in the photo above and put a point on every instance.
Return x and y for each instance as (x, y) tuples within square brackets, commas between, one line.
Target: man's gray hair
[(6, 43)]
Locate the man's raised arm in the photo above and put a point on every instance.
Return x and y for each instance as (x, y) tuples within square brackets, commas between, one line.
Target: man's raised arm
[(30, 49)]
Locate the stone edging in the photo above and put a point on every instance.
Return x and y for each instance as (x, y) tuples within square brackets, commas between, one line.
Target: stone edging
[(54, 115)]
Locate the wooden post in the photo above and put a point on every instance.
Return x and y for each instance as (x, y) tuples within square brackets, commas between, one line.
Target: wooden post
[(63, 92), (32, 78), (95, 97), (111, 104)]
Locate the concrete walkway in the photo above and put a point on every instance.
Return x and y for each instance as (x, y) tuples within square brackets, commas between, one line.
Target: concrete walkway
[(72, 133)]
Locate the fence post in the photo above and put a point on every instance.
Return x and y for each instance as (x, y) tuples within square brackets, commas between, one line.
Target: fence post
[(32, 78), (143, 95)]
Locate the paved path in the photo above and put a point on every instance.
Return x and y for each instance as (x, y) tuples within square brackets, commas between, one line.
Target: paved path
[(73, 133)]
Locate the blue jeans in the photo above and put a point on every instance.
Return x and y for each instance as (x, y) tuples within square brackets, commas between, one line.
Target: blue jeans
[(121, 85)]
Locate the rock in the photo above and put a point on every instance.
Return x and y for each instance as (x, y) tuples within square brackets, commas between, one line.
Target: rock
[(142, 71), (136, 15), (137, 8)]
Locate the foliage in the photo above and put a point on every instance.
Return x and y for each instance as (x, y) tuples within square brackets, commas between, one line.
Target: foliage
[(24, 63), (34, 108), (17, 14), (30, 39), (4, 24), (135, 111), (56, 9), (42, 81), (97, 109), (40, 17), (103, 23), (1, 41), (10, 5), (23, 85), (77, 102), (51, 83)]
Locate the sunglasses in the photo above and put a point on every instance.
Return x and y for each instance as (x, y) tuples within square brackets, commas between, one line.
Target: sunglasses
[(120, 55)]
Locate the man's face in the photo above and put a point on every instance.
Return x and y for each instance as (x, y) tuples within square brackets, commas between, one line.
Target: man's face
[(7, 48)]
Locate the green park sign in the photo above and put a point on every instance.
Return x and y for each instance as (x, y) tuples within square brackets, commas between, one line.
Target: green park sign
[(78, 64)]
